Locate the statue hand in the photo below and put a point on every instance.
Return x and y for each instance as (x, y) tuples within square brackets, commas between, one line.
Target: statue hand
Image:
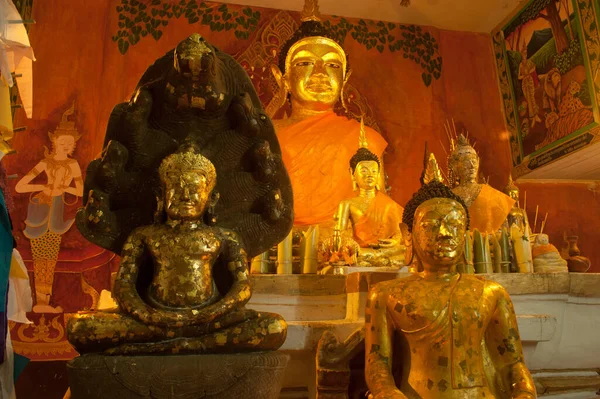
[(387, 242), (395, 394), (337, 241), (524, 395)]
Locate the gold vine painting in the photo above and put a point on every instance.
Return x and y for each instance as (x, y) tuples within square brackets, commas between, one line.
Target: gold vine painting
[(548, 64)]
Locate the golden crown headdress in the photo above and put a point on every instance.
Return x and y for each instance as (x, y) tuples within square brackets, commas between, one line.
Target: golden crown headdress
[(66, 127), (188, 158)]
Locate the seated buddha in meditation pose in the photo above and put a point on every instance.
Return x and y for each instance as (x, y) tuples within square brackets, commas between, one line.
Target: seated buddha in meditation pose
[(488, 207), (371, 218), (182, 284), (458, 333), (316, 143)]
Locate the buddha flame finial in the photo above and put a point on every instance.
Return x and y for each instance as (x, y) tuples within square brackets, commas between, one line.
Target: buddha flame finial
[(431, 169), (311, 12), (510, 186), (66, 127), (362, 137)]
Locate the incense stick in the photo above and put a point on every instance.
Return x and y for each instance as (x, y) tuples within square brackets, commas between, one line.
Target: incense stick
[(536, 215), (544, 223)]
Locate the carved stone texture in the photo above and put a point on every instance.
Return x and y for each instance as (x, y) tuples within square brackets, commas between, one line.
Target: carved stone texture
[(333, 369), (193, 93), (256, 375)]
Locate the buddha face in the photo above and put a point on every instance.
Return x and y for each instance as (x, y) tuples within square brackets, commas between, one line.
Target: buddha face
[(513, 193), (315, 74), (186, 194), (466, 167), (366, 175), (439, 233)]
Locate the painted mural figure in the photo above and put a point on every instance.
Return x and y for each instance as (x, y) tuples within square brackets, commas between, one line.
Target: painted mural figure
[(45, 223), (548, 73), (529, 82)]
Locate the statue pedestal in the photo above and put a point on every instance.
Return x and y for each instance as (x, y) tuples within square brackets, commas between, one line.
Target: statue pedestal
[(247, 375)]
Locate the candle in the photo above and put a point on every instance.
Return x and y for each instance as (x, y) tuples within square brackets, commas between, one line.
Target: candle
[(284, 256), (505, 248), (309, 262), (481, 252)]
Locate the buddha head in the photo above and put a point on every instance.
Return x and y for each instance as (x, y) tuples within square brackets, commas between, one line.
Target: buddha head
[(194, 82), (188, 180), (312, 64), (511, 189), (65, 136), (542, 239), (463, 162), (364, 165), (438, 220)]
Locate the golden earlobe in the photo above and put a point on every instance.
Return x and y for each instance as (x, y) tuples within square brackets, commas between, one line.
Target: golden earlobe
[(342, 97), (280, 96)]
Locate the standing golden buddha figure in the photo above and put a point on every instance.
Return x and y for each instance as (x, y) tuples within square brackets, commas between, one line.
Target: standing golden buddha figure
[(517, 214), (458, 332), (370, 218), (487, 206), (316, 143), (180, 308)]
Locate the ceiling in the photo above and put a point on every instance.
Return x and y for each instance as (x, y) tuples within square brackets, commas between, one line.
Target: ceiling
[(460, 15)]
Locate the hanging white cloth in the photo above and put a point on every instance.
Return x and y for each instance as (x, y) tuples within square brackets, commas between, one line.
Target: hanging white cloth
[(16, 54), (20, 300)]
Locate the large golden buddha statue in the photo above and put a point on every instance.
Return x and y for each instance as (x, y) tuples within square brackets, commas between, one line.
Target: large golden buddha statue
[(458, 333), (316, 143), (488, 207), (370, 218), (182, 284)]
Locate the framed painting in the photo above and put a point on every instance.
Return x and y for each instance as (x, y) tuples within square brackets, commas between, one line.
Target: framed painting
[(548, 57)]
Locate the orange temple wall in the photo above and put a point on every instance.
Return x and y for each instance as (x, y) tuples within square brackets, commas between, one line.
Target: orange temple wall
[(77, 61)]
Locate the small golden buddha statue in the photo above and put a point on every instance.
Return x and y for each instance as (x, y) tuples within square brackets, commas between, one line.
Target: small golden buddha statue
[(458, 332), (517, 215), (371, 218), (172, 288), (488, 207), (316, 143)]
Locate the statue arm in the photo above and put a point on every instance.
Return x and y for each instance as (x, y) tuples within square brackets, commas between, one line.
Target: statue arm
[(236, 259), (505, 348), (382, 180), (378, 347)]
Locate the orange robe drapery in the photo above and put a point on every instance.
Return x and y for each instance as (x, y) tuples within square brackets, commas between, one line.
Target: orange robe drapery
[(490, 210), (381, 220), (316, 153)]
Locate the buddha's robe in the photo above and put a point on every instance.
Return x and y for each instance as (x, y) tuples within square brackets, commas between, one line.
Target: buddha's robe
[(490, 209), (316, 153), (452, 332), (380, 221)]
